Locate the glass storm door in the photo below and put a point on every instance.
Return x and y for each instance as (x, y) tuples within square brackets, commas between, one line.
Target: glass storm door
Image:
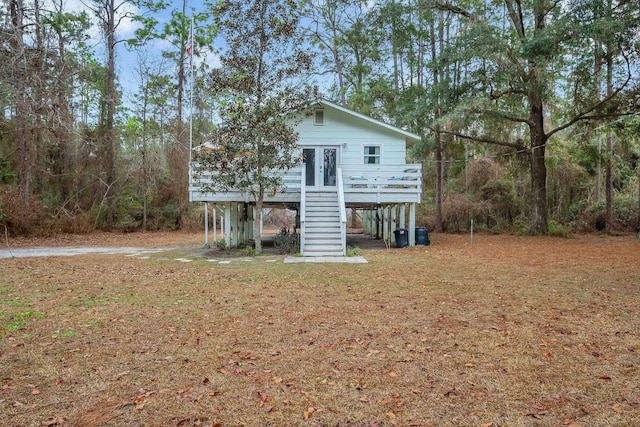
[(321, 165)]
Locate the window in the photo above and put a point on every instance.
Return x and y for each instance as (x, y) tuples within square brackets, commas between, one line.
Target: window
[(319, 117), (371, 154)]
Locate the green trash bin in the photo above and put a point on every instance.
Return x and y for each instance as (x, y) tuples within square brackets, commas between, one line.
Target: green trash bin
[(422, 236), (402, 237)]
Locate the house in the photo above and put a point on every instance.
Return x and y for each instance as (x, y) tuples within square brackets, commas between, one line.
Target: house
[(351, 161)]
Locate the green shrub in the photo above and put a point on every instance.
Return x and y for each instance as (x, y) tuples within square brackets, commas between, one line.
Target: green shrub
[(354, 251), (249, 251), (221, 244), (558, 230)]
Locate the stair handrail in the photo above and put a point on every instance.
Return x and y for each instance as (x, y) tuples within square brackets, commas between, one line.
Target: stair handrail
[(343, 214), (303, 195)]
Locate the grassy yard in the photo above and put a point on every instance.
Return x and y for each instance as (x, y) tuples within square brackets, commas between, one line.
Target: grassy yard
[(509, 331)]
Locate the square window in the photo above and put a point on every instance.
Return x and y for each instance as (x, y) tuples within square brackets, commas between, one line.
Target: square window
[(371, 154)]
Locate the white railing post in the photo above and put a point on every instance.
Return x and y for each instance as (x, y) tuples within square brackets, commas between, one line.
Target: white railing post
[(303, 195), (206, 225), (343, 214)]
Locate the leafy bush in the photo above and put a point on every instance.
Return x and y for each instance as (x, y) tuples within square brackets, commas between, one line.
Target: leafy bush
[(625, 212), (354, 251), (127, 223), (249, 251), (287, 243), (221, 244), (6, 173), (505, 203), (558, 230), (21, 217)]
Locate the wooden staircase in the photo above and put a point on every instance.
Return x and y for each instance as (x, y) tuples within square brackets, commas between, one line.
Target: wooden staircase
[(322, 228)]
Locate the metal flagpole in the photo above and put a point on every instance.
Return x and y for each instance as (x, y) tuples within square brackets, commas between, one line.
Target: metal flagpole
[(191, 50)]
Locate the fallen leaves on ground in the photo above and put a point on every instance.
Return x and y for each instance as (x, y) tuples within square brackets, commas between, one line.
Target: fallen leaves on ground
[(516, 330)]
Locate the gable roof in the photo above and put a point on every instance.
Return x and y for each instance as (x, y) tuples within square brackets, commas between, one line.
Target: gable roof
[(408, 135)]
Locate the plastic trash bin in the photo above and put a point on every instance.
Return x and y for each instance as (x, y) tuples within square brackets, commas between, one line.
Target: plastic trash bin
[(402, 237), (422, 236)]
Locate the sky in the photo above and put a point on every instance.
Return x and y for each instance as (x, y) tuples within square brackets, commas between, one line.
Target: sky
[(127, 60)]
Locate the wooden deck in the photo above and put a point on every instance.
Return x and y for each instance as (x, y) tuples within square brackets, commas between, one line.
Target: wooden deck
[(363, 185)]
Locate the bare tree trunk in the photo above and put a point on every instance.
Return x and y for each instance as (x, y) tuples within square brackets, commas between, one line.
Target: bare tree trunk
[(597, 83), (63, 120), (338, 64), (598, 195), (20, 71), (111, 102), (439, 181), (145, 174), (257, 236), (608, 174), (38, 78), (179, 152), (438, 135), (539, 204), (638, 229)]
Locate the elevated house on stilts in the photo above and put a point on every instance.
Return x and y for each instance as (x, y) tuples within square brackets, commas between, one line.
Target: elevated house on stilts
[(351, 161)]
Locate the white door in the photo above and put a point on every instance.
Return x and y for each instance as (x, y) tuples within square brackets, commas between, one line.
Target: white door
[(321, 166)]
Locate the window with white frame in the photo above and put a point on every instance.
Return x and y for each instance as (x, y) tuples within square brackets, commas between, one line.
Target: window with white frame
[(371, 154), (318, 117)]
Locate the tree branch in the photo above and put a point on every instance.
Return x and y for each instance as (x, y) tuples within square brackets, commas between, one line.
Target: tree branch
[(584, 115), (505, 116), (450, 7), (516, 17), (518, 145), (500, 115), (552, 6)]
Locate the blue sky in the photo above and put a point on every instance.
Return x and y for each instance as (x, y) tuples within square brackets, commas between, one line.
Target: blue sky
[(127, 61)]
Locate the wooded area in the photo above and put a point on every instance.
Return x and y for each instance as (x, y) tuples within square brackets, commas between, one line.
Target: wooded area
[(528, 108)]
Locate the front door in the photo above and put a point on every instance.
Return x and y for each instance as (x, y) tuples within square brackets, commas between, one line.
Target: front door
[(321, 166)]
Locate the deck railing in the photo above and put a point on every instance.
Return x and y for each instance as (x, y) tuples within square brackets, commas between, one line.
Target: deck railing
[(381, 179), (303, 209), (374, 180), (291, 181), (343, 213)]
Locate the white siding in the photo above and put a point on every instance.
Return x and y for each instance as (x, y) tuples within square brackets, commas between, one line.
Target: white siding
[(391, 181), (352, 134)]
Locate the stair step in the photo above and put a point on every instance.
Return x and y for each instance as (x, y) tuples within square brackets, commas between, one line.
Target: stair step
[(323, 229), (330, 202), (323, 236), (322, 211), (323, 248), (321, 206), (318, 238), (326, 207), (327, 254)]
